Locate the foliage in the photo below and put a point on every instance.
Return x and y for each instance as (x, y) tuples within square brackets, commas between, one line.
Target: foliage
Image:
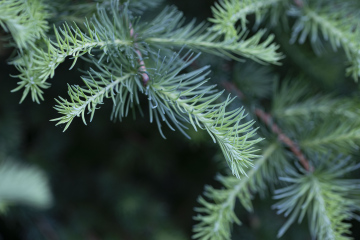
[(25, 20), (283, 135), (327, 200), (23, 185), (123, 42)]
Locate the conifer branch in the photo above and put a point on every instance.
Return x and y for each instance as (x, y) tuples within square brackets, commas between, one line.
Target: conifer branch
[(25, 20), (335, 120), (343, 137), (219, 215), (82, 99), (173, 98), (263, 52), (111, 33), (338, 24), (228, 12), (133, 57), (328, 200), (106, 82), (190, 98), (267, 119), (39, 63), (317, 106), (198, 37), (70, 41)]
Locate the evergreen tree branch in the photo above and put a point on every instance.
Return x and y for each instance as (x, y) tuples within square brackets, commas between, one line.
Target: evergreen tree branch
[(39, 64), (327, 200), (199, 38), (335, 120), (216, 218), (80, 101), (263, 52), (323, 106), (267, 119), (228, 12), (107, 82), (190, 98), (113, 33), (173, 98), (337, 22), (343, 136)]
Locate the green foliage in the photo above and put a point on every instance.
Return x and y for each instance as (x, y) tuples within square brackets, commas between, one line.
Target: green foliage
[(217, 218), (228, 12), (122, 41), (111, 33), (200, 38), (23, 185), (133, 53), (336, 22), (25, 20), (335, 122), (39, 64), (188, 96), (329, 20), (20, 183), (334, 130), (327, 199)]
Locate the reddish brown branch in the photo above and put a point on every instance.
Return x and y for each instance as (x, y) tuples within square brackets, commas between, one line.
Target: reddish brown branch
[(142, 68), (267, 119), (232, 88), (299, 3)]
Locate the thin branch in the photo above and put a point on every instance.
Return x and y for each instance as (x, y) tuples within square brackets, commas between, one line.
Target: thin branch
[(144, 75), (232, 88), (268, 120), (299, 3)]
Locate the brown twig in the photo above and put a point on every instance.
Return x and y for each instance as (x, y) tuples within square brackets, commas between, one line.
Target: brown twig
[(299, 3), (232, 88), (267, 119), (144, 75)]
